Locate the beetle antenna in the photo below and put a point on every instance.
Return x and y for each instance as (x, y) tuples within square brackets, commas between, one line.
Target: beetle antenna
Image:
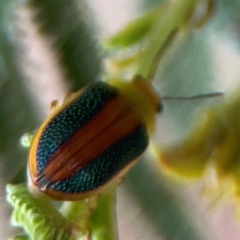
[(201, 96), (160, 53)]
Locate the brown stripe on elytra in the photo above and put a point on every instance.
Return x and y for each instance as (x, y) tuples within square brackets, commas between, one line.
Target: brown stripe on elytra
[(117, 119)]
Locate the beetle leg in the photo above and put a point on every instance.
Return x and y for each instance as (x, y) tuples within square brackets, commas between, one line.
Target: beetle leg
[(54, 105), (120, 180), (78, 212), (92, 203), (71, 210), (26, 139), (79, 232)]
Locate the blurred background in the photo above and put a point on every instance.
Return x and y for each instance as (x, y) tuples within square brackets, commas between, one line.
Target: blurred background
[(49, 48)]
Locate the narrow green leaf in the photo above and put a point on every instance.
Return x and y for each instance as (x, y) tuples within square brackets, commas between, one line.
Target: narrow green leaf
[(16, 109), (73, 41), (135, 31)]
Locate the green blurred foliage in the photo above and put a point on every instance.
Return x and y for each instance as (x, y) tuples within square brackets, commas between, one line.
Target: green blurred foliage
[(160, 204), (72, 38), (16, 111)]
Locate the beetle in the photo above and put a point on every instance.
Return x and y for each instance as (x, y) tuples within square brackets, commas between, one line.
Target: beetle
[(90, 141)]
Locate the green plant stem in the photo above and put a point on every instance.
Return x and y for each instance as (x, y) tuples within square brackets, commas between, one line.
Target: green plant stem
[(103, 220)]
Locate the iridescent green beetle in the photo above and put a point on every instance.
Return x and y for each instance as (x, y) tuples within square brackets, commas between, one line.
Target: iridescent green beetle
[(89, 142)]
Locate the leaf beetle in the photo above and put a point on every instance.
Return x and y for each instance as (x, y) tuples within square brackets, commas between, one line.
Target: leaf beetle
[(90, 141)]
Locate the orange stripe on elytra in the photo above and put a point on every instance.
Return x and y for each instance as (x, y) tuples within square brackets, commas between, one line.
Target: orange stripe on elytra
[(117, 119)]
